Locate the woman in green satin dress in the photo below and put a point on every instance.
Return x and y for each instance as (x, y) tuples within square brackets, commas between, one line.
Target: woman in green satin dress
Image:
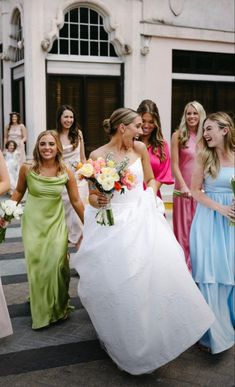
[(44, 229)]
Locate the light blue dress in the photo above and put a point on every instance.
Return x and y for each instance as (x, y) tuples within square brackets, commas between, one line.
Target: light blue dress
[(212, 254)]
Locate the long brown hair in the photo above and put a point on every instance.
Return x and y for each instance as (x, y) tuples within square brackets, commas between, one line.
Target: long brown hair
[(73, 134), (156, 138), (18, 119), (37, 159)]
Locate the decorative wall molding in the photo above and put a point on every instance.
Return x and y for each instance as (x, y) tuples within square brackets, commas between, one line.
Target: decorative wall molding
[(110, 26), (145, 42), (176, 6)]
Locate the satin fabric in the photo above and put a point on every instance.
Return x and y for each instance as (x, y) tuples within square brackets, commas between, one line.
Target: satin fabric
[(45, 239), (184, 208), (75, 226), (135, 285), (212, 252), (5, 322), (161, 169)]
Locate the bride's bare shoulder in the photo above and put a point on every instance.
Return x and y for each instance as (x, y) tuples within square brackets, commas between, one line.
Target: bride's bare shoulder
[(99, 152)]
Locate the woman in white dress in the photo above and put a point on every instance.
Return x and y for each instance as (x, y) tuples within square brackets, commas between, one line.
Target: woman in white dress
[(12, 161), (134, 281), (5, 322), (73, 152), (16, 131)]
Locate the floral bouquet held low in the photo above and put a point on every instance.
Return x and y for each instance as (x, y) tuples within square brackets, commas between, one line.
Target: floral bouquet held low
[(107, 176), (8, 210)]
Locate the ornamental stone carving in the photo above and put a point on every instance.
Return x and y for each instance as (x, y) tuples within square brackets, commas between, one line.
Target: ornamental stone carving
[(176, 6)]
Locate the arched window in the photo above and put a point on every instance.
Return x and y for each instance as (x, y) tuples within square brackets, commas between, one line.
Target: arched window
[(17, 36), (83, 33)]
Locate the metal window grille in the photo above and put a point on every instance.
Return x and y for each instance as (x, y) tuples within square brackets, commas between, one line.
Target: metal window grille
[(83, 33)]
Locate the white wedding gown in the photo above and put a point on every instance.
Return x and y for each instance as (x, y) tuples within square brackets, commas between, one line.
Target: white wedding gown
[(135, 285)]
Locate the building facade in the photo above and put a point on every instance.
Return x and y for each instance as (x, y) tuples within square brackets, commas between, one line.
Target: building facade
[(102, 54)]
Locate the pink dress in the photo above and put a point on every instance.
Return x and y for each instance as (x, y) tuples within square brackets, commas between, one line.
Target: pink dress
[(184, 208), (161, 169)]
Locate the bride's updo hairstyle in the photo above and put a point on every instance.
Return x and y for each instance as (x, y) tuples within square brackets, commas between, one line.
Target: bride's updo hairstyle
[(120, 116)]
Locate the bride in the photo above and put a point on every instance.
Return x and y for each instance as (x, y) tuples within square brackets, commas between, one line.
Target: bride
[(134, 282)]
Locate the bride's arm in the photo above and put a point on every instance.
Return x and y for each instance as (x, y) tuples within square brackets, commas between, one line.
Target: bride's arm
[(96, 198)]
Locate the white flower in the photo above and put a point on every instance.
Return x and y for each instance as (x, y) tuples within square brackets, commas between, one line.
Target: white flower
[(86, 170), (10, 209), (107, 184), (18, 212), (9, 206), (109, 172)]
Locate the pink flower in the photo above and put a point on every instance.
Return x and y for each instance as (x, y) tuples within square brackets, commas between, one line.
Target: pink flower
[(98, 164), (128, 179)]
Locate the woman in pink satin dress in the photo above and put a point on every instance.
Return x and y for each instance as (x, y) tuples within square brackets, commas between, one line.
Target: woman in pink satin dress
[(183, 148), (5, 322), (156, 144)]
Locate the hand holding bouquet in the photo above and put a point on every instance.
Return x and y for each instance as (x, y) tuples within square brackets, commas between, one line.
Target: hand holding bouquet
[(107, 176), (8, 210)]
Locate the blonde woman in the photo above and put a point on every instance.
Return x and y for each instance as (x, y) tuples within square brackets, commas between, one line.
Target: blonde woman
[(212, 237), (5, 323), (44, 229), (183, 147)]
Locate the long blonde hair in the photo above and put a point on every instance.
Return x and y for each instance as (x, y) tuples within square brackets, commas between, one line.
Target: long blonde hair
[(183, 129), (209, 156), (37, 159)]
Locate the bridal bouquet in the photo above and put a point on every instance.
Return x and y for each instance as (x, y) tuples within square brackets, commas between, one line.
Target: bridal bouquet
[(107, 176), (9, 210), (232, 182)]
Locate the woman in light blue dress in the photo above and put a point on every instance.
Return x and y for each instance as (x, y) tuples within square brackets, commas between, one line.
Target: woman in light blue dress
[(212, 235)]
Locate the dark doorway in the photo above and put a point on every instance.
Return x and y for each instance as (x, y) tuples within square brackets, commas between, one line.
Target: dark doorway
[(18, 97), (93, 97), (214, 96)]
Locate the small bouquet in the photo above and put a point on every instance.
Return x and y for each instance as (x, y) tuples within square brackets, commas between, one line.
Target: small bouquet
[(107, 176), (9, 210), (232, 182)]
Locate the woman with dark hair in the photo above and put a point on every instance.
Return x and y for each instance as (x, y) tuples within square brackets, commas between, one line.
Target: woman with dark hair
[(16, 131), (44, 229), (73, 152), (157, 146)]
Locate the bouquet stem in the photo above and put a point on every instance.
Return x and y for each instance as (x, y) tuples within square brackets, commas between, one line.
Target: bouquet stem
[(2, 234), (105, 215)]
